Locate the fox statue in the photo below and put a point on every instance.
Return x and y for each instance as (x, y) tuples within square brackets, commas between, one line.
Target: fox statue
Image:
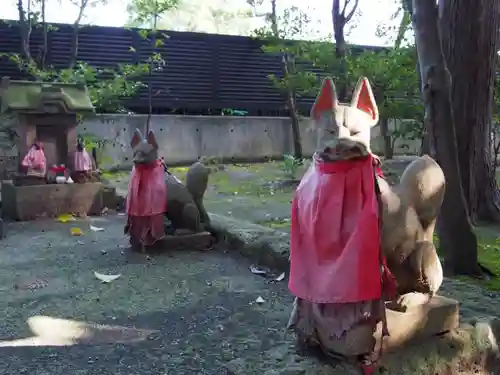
[(155, 193), (406, 215)]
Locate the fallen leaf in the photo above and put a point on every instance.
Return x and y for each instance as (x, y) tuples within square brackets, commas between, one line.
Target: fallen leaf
[(260, 300), (106, 278), (64, 218), (76, 232), (257, 271), (280, 277), (96, 229)]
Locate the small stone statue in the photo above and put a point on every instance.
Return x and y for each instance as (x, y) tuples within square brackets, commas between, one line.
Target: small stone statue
[(154, 194), (35, 161), (84, 168), (147, 194)]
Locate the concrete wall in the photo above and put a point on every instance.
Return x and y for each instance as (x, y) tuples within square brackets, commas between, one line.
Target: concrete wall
[(183, 139)]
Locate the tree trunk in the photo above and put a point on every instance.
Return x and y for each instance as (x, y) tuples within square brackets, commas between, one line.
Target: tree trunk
[(43, 62), (470, 34), (456, 236), (424, 144), (25, 28), (384, 132), (339, 22), (286, 64)]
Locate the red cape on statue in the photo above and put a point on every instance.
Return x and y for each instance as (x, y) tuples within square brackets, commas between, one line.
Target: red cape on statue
[(335, 239), (147, 190)]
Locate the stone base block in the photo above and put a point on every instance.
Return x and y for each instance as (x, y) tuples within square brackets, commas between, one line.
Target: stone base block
[(420, 322), (32, 202), (438, 316)]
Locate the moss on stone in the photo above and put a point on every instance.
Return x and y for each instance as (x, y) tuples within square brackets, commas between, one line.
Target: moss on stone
[(30, 96)]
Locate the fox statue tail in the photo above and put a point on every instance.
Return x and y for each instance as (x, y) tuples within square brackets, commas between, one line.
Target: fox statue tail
[(196, 183)]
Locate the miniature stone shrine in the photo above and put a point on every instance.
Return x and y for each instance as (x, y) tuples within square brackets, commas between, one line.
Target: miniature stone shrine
[(365, 276), (46, 120)]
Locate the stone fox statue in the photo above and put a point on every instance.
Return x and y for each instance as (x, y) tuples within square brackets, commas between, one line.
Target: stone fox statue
[(154, 193), (325, 314)]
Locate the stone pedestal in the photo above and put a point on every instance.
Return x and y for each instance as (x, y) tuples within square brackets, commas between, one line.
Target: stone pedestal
[(439, 316), (421, 322), (31, 202)]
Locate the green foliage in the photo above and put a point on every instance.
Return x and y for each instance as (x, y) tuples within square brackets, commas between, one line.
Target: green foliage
[(145, 11), (107, 87), (392, 73), (233, 112), (277, 37), (395, 82), (291, 165)]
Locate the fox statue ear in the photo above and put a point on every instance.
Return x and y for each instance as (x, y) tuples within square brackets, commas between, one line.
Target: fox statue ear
[(326, 101), (363, 99), (152, 140), (136, 139)]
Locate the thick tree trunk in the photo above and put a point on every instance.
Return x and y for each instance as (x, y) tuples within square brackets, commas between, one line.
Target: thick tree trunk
[(456, 236), (469, 31)]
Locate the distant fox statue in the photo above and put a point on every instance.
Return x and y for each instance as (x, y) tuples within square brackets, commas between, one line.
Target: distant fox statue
[(356, 241), (154, 194)]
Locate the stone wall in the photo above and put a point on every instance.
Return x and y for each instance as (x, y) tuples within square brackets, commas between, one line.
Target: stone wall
[(183, 139)]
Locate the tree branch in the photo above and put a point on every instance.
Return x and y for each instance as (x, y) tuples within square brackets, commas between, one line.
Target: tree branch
[(344, 8), (351, 13)]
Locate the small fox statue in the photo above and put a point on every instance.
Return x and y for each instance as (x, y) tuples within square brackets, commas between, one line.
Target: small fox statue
[(161, 192)]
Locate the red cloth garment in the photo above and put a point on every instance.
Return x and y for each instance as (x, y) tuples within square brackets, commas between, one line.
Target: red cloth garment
[(146, 203), (35, 160), (335, 237), (147, 190), (82, 161)]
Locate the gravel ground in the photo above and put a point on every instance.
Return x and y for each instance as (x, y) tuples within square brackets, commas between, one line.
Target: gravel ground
[(200, 305)]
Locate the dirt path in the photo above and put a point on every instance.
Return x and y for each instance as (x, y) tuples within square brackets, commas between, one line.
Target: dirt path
[(201, 305)]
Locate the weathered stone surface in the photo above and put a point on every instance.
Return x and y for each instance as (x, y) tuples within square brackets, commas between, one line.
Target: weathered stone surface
[(198, 241), (263, 245), (422, 322), (109, 197), (31, 202), (31, 96)]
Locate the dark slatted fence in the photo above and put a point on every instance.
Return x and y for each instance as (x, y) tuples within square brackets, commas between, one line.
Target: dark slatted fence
[(204, 73)]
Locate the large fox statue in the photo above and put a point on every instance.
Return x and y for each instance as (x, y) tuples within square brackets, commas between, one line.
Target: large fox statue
[(336, 302)]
